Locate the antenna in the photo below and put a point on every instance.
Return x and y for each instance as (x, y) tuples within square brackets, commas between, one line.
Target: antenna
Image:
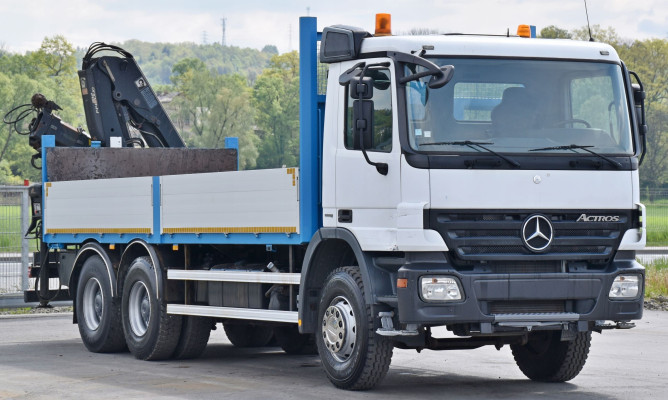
[(204, 37), (591, 38)]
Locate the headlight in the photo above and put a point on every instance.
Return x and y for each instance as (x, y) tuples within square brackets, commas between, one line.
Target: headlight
[(440, 288), (625, 287)]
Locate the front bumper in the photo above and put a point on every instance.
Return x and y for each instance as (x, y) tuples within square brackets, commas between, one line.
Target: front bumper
[(496, 301)]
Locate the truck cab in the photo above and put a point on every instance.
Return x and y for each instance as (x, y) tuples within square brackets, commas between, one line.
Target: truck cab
[(492, 182)]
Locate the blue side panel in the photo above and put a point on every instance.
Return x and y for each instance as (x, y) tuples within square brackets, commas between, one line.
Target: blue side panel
[(309, 148), (233, 143), (47, 141), (156, 206)]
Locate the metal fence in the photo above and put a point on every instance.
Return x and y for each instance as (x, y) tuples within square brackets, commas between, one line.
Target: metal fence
[(14, 247), (656, 203)]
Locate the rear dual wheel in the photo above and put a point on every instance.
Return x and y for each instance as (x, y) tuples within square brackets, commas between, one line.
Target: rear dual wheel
[(150, 333), (98, 313)]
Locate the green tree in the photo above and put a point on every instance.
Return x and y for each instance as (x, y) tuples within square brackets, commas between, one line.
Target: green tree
[(194, 83), (604, 35), (55, 56), (554, 32), (649, 58), (230, 114), (276, 100)]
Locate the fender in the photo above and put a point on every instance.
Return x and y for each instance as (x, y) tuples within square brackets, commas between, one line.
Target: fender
[(134, 248), (307, 309), (88, 250)]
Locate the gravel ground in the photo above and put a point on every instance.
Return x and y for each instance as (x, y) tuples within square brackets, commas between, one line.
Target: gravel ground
[(36, 310), (659, 303)]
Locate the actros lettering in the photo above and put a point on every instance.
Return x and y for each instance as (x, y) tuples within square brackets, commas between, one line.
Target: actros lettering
[(598, 218)]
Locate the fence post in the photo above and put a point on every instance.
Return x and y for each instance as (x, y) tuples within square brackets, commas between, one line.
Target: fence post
[(25, 221)]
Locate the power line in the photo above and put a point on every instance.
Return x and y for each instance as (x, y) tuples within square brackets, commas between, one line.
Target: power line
[(223, 22)]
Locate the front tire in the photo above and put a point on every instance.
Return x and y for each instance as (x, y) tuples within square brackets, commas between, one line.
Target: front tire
[(545, 358), (353, 356), (98, 313), (151, 334)]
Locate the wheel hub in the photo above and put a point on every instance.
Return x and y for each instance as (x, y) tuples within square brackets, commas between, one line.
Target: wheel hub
[(93, 304), (139, 309), (339, 329)]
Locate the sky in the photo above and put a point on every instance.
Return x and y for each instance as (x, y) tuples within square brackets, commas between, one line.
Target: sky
[(256, 23)]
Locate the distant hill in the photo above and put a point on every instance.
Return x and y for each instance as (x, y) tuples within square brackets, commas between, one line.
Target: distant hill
[(157, 59)]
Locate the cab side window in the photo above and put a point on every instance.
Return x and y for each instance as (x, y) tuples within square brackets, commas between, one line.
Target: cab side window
[(382, 115)]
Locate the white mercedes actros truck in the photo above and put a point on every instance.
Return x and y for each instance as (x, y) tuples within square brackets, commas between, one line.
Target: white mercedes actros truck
[(486, 184)]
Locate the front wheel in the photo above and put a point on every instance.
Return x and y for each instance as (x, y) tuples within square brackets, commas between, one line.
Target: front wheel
[(546, 358), (151, 334), (353, 355)]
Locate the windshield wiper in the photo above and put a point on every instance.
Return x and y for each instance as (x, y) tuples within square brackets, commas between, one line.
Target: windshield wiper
[(581, 147), (475, 146)]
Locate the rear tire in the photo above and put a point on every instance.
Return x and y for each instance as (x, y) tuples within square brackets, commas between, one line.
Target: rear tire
[(98, 313), (353, 355), (195, 332), (546, 358), (292, 342), (247, 335), (151, 334)]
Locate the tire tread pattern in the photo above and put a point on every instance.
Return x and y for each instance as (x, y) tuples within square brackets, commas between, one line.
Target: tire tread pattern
[(379, 350), (561, 368), (195, 333)]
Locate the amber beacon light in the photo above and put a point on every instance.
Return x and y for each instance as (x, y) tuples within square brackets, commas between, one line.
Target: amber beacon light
[(526, 31), (383, 25)]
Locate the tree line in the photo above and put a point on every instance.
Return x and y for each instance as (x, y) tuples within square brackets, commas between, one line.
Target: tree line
[(649, 59), (220, 91)]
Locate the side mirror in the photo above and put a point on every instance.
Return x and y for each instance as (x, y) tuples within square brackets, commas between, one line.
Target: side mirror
[(639, 102), (442, 79), (362, 124), (361, 88)]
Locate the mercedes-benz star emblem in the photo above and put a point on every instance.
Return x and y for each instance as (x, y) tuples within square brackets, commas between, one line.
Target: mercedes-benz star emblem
[(537, 233)]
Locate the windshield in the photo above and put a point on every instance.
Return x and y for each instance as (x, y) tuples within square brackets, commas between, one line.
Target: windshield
[(515, 106)]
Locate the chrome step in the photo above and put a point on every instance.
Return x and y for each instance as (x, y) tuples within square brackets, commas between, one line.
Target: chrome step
[(279, 278), (234, 313)]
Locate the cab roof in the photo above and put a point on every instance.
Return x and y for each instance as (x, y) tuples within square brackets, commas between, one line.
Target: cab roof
[(492, 46)]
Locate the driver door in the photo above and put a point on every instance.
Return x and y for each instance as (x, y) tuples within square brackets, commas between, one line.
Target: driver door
[(366, 201)]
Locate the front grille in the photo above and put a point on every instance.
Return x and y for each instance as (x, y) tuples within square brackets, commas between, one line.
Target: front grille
[(524, 307), (497, 235), (523, 267)]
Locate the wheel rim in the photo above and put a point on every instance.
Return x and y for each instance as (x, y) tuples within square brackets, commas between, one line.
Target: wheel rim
[(139, 308), (339, 329), (93, 304)]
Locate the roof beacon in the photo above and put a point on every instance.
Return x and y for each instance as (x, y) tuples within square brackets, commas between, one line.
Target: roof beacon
[(383, 25), (527, 31)]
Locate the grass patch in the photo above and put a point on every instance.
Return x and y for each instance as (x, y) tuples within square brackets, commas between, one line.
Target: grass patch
[(10, 230), (657, 224), (656, 279), (15, 311)]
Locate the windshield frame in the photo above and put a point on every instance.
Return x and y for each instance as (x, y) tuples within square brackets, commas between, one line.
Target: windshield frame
[(540, 160)]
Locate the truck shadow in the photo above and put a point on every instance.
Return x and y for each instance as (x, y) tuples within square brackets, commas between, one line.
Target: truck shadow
[(245, 373)]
